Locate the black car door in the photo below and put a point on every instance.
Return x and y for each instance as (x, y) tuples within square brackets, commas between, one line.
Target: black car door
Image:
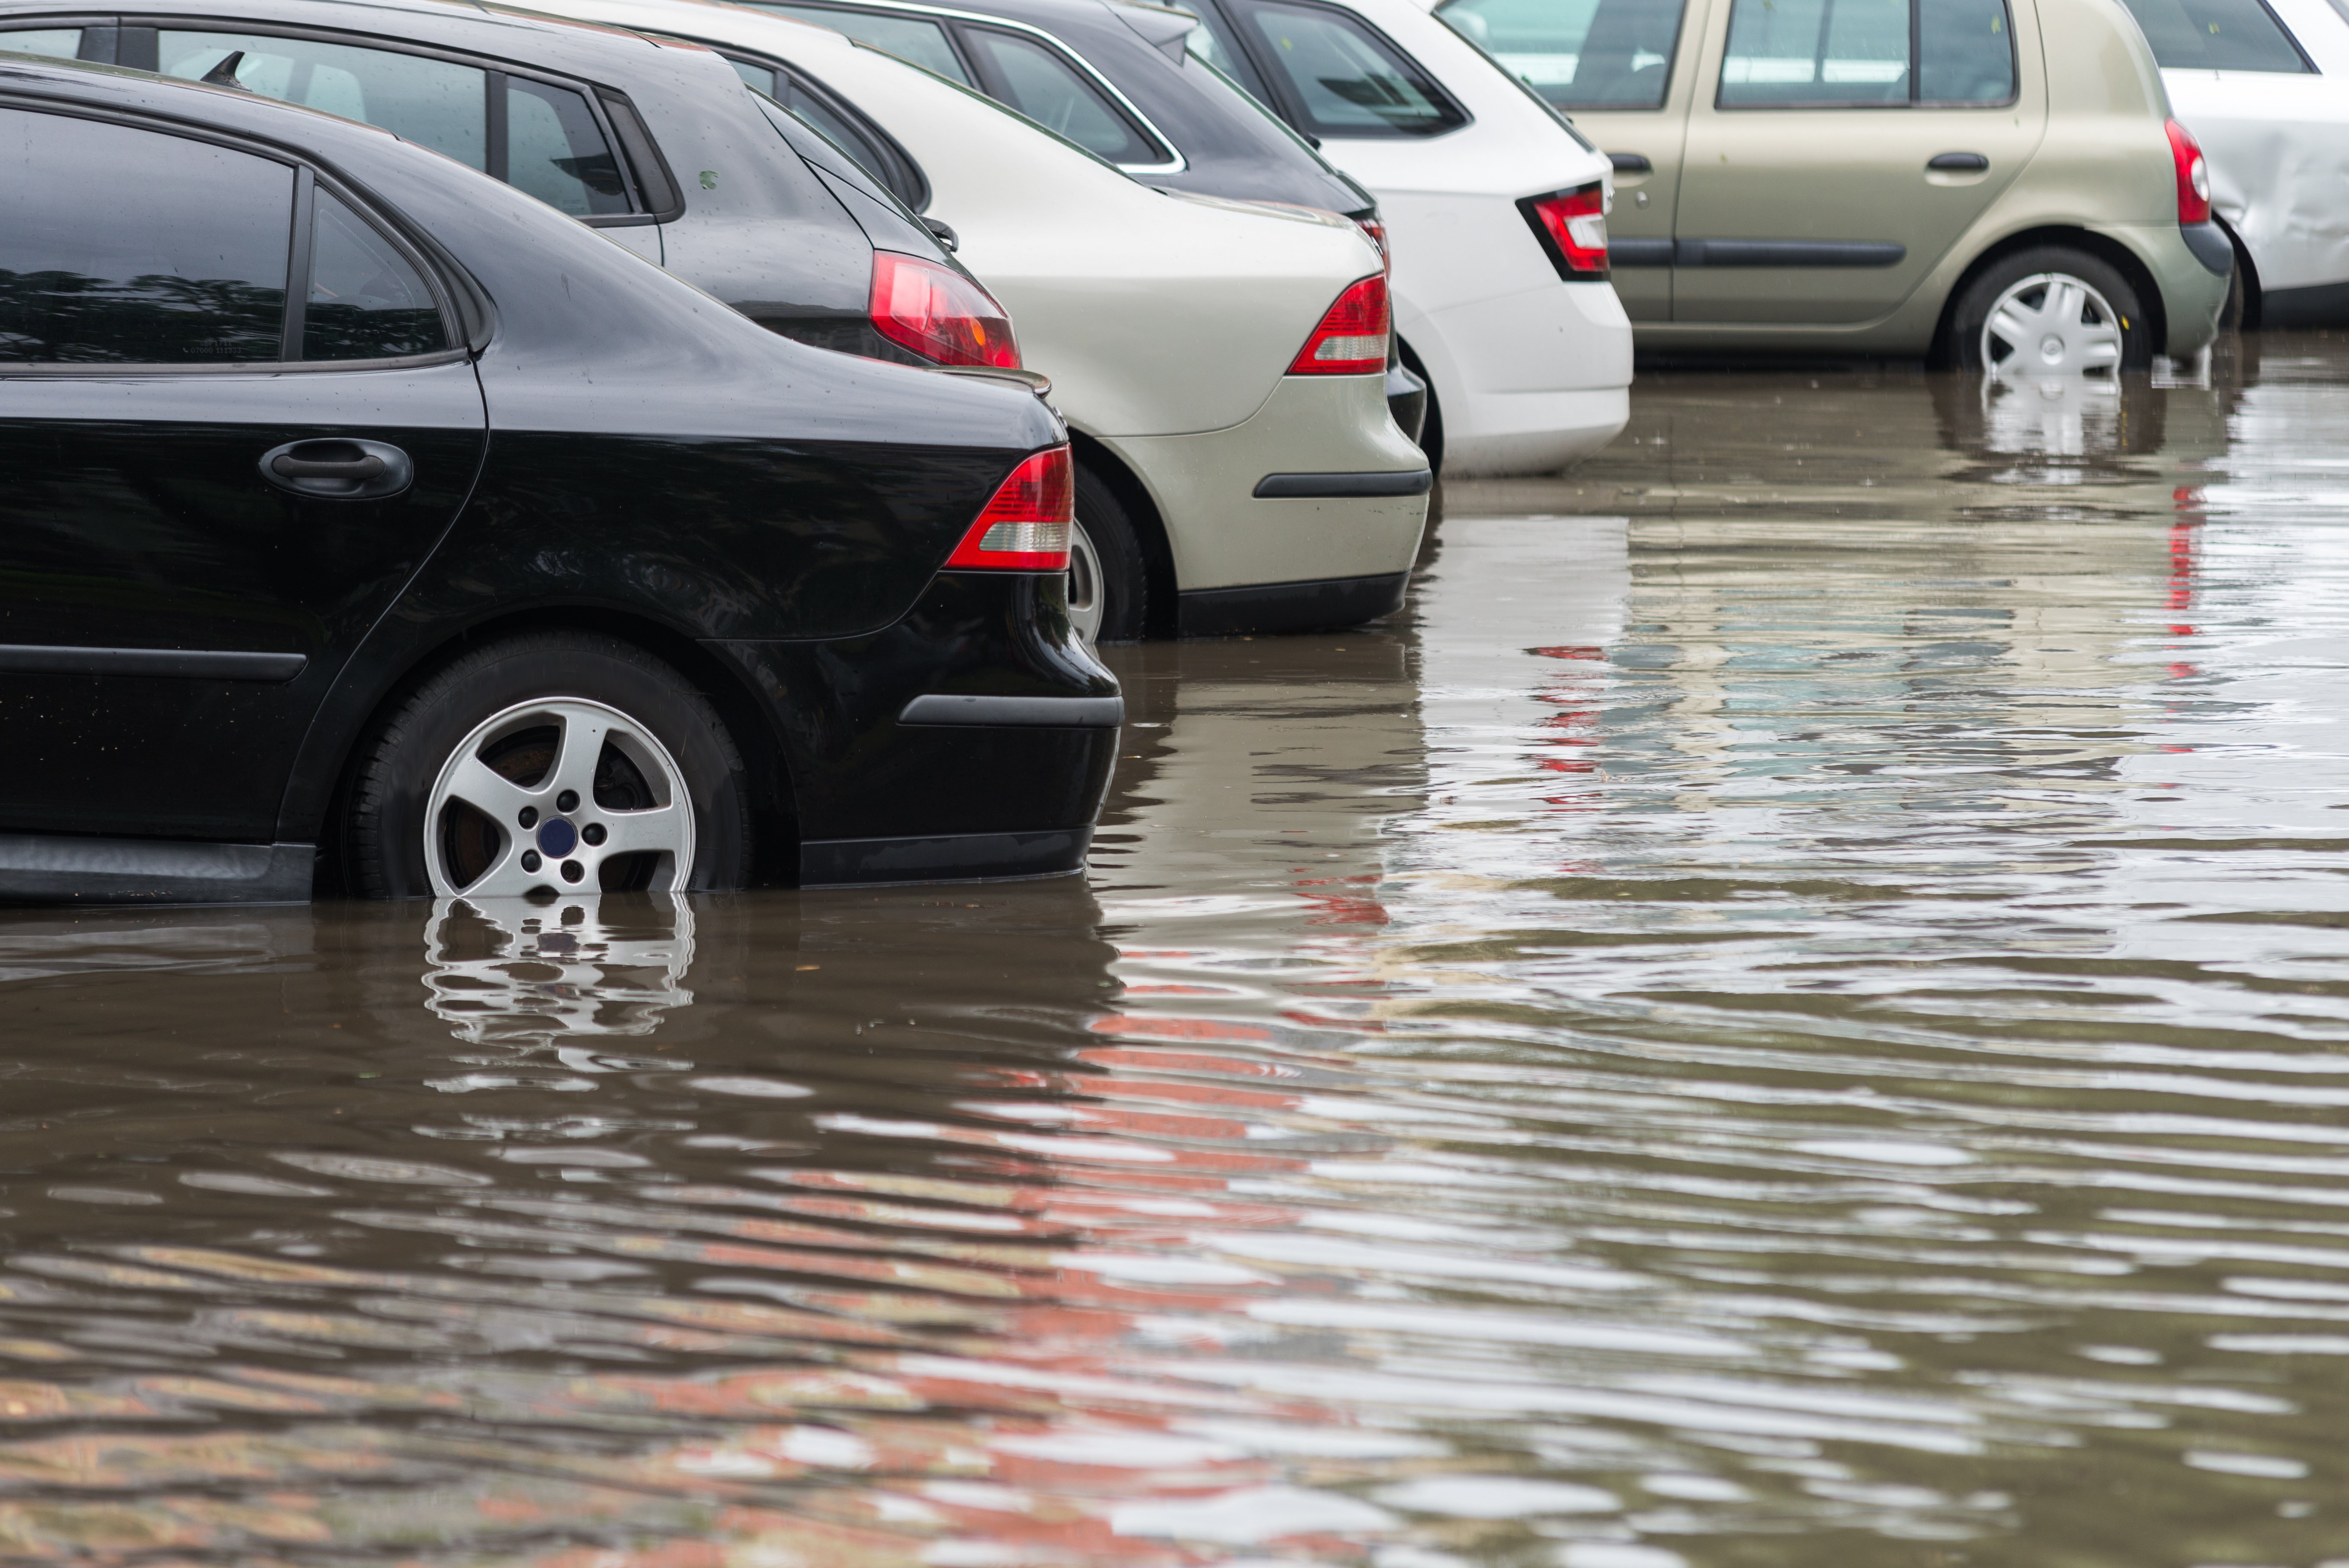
[(235, 415)]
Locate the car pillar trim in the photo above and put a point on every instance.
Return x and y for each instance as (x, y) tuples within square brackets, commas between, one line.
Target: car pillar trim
[(1043, 712), (1306, 487), (193, 663)]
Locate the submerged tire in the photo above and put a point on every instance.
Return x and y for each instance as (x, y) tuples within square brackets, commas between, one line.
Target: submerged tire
[(566, 761), (2050, 310), (1109, 585)]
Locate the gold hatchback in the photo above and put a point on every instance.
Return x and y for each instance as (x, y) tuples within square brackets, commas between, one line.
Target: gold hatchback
[(1994, 182)]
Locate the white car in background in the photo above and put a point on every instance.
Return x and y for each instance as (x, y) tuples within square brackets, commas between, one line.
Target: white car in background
[(1496, 210), (1222, 364), (2264, 88)]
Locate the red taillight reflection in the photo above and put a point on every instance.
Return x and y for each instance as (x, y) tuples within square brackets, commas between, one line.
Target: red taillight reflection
[(1574, 225), (939, 314), (1352, 338), (2193, 175), (1376, 228), (1025, 528)]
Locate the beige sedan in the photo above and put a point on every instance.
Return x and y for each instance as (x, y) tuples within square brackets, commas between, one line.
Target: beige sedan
[(1876, 176)]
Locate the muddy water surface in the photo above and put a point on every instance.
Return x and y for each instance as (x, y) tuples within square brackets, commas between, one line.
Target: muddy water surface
[(1795, 1010)]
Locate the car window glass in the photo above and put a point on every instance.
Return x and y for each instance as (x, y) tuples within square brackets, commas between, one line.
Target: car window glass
[(2216, 36), (556, 152), (758, 76), (1578, 53), (1207, 42), (126, 246), (1347, 81), (911, 38), (433, 103), (842, 133), (367, 300), (1817, 52), (1049, 91), (59, 43), (1965, 52)]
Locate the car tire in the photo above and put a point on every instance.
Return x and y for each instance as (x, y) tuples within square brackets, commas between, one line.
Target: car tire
[(679, 744), (1109, 585), (2106, 292)]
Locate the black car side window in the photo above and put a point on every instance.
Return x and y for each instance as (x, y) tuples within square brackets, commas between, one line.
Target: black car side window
[(366, 300), (438, 104), (1344, 79), (129, 246), (537, 137)]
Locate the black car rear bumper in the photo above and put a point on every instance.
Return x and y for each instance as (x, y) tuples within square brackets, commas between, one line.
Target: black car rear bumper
[(972, 740)]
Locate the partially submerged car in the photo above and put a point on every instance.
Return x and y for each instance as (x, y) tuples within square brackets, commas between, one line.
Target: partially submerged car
[(1883, 176), (373, 527), (2264, 87)]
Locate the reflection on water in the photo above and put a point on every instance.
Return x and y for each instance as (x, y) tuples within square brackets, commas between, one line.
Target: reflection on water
[(1793, 1012)]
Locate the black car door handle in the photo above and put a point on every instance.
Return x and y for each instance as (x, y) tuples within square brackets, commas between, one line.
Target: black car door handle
[(1958, 163), (1630, 163), (365, 467), (338, 468)]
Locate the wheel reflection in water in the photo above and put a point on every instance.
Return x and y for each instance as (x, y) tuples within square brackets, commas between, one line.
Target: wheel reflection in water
[(527, 975)]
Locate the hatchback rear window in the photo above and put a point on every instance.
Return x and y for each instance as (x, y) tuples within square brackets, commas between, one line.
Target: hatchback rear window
[(914, 38), (2217, 35), (1347, 81), (1578, 53)]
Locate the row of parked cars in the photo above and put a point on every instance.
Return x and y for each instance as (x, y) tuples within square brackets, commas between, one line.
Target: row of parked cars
[(466, 451)]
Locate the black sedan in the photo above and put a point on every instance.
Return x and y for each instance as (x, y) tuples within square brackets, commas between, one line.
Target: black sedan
[(371, 527)]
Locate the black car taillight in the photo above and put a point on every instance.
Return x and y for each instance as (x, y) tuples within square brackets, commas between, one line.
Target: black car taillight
[(1025, 527), (939, 314)]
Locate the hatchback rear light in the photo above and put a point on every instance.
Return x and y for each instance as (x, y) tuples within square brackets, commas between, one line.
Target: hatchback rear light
[(1376, 228), (1025, 528), (939, 314), (2193, 176), (1572, 227), (1352, 338)]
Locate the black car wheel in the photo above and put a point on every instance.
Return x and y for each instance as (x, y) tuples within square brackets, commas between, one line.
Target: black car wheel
[(555, 762), (2051, 311), (1109, 588)]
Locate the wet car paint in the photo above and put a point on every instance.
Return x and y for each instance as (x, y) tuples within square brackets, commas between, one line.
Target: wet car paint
[(1787, 1011)]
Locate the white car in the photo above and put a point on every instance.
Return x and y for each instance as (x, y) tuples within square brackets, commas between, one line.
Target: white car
[(2264, 88), (1496, 208)]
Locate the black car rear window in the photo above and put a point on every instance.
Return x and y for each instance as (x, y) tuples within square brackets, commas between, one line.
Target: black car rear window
[(1578, 53), (1345, 79)]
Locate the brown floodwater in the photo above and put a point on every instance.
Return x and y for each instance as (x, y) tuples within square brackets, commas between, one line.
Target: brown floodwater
[(1793, 1010)]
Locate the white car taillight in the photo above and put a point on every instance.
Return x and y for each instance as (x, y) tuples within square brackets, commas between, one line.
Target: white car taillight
[(939, 314), (1025, 526), (1574, 225), (1352, 338)]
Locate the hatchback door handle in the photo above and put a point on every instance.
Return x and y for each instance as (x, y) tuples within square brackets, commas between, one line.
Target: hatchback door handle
[(1631, 162), (1958, 163), (338, 468)]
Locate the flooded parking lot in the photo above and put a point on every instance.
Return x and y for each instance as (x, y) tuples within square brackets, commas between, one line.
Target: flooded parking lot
[(1791, 1011)]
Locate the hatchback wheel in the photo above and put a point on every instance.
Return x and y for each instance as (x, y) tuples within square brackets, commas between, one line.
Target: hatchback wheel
[(2050, 312), (1108, 591), (559, 762)]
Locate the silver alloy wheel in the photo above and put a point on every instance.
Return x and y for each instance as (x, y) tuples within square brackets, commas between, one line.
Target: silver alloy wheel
[(554, 851), (2051, 323), (1088, 600)]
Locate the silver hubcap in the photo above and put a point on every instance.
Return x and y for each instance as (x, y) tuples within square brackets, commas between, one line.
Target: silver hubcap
[(2051, 323), (544, 795), (1087, 600)]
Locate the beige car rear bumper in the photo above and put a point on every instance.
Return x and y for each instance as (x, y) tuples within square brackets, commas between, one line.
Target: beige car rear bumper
[(1315, 435)]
